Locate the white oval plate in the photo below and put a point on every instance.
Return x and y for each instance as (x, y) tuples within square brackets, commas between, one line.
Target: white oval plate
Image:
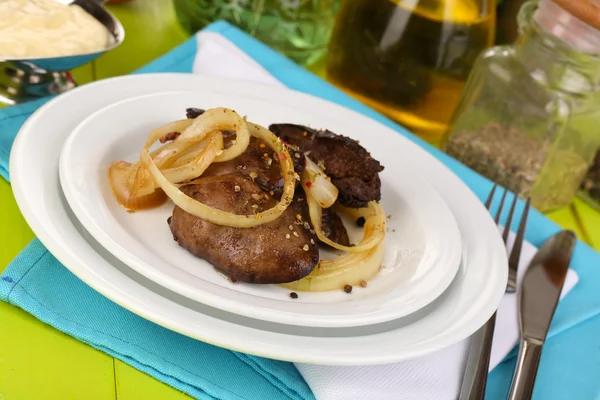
[(465, 306), (423, 246)]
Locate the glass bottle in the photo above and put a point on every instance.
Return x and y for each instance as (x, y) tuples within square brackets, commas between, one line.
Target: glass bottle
[(528, 118), (300, 29), (409, 59), (506, 21)]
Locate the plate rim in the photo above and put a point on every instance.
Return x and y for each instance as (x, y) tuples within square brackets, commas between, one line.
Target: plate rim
[(236, 304), (124, 298)]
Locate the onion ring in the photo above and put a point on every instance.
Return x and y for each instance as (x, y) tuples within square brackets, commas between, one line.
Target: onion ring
[(349, 269), (220, 119), (213, 215), (140, 181), (196, 167), (374, 229)]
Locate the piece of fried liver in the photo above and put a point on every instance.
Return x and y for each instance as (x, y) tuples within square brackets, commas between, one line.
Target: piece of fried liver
[(281, 251), (349, 165)]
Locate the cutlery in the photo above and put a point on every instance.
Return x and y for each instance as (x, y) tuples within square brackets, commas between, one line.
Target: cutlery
[(478, 360), (538, 298)]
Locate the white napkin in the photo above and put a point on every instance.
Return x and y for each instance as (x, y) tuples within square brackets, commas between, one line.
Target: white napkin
[(436, 376), (218, 56)]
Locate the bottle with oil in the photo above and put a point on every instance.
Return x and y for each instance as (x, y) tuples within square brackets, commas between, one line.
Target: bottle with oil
[(409, 59)]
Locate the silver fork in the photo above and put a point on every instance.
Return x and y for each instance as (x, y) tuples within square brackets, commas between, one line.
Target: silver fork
[(478, 360)]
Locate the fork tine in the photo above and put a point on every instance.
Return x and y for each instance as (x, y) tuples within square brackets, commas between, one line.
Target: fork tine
[(509, 219), (488, 202), (515, 254), (500, 207)]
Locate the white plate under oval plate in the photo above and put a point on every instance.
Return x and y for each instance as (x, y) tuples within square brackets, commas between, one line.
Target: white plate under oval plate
[(465, 306), (423, 245)]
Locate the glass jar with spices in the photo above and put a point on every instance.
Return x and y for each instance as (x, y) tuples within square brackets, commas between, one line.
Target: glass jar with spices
[(528, 118), (409, 59)]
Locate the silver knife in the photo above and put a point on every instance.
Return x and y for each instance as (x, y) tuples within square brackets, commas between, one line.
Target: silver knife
[(538, 298)]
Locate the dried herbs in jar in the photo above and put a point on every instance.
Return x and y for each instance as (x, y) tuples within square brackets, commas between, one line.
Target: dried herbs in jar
[(517, 161), (527, 118)]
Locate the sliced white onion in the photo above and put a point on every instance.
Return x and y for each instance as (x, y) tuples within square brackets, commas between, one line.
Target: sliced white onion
[(349, 269), (319, 185), (374, 228), (123, 186), (162, 154), (214, 215), (188, 154), (196, 167), (140, 181), (220, 119)]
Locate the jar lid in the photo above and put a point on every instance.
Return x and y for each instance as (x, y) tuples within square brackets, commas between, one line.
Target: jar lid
[(576, 22), (587, 11)]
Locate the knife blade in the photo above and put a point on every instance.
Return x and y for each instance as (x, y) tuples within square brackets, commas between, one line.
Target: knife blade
[(540, 291)]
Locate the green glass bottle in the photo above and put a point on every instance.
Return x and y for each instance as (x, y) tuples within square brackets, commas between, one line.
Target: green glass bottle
[(300, 29)]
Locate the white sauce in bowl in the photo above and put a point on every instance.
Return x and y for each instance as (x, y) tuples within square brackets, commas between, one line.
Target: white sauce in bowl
[(47, 28)]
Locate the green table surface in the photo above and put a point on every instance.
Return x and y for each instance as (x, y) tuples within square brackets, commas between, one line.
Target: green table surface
[(38, 362)]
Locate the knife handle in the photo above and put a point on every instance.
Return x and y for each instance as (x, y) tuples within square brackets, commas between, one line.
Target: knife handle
[(528, 361), (478, 362)]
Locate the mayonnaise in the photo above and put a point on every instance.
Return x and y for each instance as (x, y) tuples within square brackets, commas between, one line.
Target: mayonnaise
[(47, 28)]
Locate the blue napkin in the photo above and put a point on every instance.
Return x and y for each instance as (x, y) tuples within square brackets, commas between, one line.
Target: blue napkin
[(36, 282)]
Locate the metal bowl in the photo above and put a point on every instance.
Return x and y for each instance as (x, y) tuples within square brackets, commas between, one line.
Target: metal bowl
[(25, 79)]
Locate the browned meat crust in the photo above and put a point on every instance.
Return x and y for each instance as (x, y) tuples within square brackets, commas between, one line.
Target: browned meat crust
[(334, 228), (192, 112), (348, 164), (260, 160), (268, 253)]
